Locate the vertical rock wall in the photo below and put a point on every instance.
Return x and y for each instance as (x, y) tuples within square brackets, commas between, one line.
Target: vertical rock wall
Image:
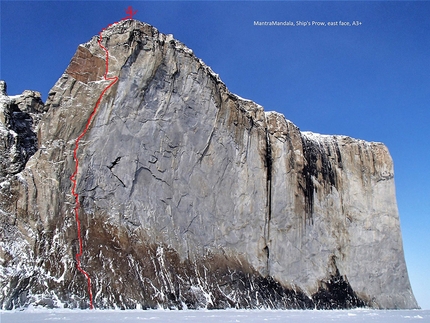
[(334, 210), (193, 197)]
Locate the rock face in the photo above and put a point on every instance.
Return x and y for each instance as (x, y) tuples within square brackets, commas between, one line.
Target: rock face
[(190, 195), (18, 119)]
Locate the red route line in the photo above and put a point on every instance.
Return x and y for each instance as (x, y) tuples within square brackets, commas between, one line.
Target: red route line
[(75, 157)]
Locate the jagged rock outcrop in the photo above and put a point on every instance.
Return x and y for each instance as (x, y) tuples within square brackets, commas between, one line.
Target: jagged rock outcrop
[(18, 119), (192, 196)]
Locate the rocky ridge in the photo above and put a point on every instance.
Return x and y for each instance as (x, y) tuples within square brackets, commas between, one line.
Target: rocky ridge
[(191, 196)]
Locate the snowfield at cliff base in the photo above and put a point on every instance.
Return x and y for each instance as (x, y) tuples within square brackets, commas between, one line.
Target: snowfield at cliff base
[(36, 315)]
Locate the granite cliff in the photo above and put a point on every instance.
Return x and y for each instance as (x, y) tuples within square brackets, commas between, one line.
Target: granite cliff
[(190, 195)]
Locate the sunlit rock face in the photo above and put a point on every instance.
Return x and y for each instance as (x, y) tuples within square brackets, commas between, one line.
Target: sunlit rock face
[(190, 195)]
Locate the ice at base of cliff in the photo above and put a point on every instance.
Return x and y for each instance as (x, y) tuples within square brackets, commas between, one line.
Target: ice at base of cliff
[(215, 316)]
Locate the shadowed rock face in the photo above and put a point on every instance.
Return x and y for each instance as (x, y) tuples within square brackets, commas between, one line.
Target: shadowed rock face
[(193, 197), (19, 116)]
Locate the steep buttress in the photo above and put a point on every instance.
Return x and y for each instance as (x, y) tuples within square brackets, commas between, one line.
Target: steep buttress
[(193, 197)]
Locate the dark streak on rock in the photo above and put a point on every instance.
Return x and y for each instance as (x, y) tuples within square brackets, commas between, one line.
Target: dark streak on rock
[(313, 153), (336, 293), (339, 156), (268, 164)]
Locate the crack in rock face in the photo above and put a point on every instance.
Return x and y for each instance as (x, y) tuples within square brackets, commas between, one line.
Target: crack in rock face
[(191, 197)]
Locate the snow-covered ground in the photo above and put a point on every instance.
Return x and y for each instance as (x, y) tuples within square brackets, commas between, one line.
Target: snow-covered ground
[(212, 316)]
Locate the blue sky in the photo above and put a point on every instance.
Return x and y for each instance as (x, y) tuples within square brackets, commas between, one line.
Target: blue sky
[(370, 81)]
